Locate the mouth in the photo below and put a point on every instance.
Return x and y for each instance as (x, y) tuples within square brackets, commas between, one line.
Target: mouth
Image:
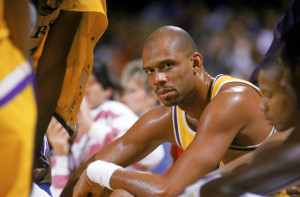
[(268, 119), (164, 93)]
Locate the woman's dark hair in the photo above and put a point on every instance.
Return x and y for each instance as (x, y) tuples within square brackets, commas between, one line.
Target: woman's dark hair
[(101, 74)]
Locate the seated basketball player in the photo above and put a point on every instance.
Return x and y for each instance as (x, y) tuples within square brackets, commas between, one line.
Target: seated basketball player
[(213, 119)]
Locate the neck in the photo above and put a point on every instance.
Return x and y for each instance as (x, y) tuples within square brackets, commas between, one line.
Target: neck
[(199, 98)]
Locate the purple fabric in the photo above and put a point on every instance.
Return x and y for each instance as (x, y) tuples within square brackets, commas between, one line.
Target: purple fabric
[(29, 79), (176, 125)]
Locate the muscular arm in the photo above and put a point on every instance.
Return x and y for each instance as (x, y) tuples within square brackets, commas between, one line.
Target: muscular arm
[(51, 69), (18, 24), (214, 135), (197, 160), (143, 137), (274, 167), (247, 158)]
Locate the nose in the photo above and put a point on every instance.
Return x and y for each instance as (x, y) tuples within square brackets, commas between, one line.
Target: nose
[(160, 78), (263, 105)]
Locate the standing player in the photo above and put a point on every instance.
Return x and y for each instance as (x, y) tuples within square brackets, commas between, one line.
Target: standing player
[(62, 50)]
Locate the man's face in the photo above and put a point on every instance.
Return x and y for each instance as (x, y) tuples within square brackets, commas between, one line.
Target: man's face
[(169, 72), (275, 104)]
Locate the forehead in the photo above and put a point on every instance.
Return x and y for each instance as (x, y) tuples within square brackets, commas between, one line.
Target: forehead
[(267, 80), (160, 50)]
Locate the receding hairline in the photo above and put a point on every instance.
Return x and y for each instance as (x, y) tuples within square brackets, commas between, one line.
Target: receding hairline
[(181, 38)]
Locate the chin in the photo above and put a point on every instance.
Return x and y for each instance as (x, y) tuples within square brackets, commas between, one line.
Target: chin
[(282, 127), (167, 104)]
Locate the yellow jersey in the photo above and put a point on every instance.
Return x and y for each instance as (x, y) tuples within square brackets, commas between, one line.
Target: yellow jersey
[(80, 59), (184, 135)]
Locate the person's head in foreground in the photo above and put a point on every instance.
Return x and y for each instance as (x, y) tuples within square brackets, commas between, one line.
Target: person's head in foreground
[(277, 108), (279, 80)]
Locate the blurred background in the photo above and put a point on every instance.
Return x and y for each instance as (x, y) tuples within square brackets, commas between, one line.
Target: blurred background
[(231, 35)]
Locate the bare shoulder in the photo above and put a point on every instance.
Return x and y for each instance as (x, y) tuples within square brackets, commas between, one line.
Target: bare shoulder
[(240, 95), (236, 104), (242, 89)]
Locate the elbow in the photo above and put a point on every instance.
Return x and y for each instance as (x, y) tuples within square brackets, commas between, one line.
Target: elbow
[(168, 189)]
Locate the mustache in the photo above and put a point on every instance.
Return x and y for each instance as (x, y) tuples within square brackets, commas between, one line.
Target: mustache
[(167, 87)]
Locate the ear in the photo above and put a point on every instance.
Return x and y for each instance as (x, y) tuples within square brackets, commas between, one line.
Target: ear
[(197, 62)]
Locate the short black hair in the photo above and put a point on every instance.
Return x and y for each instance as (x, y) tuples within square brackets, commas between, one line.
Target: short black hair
[(291, 56), (101, 73), (290, 46)]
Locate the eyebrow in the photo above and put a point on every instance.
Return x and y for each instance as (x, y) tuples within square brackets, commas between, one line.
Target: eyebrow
[(160, 63), (146, 68)]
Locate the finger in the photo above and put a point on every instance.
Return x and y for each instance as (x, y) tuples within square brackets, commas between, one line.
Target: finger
[(79, 193), (82, 186)]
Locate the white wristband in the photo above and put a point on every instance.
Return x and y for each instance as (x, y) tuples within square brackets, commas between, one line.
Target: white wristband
[(101, 171)]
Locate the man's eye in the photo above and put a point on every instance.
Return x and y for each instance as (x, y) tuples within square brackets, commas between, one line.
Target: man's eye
[(149, 71), (168, 65)]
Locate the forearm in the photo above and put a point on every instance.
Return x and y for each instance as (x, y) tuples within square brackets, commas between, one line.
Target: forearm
[(51, 68), (243, 160), (264, 176), (151, 161), (18, 23), (149, 184), (142, 183), (117, 154), (277, 138)]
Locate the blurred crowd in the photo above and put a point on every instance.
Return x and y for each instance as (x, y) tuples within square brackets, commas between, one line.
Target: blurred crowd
[(231, 36)]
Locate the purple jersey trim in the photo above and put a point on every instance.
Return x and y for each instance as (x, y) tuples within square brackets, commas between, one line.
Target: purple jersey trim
[(29, 79), (219, 76), (176, 126)]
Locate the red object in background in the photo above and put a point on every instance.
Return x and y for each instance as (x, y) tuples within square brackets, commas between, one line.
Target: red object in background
[(175, 152)]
